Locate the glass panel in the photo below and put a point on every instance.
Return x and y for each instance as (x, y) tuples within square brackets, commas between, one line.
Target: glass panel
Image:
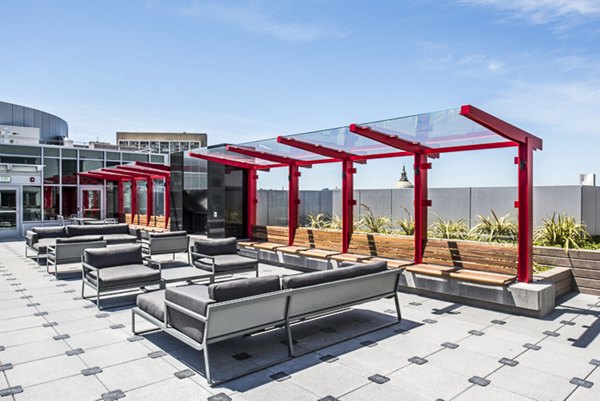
[(110, 164), (131, 157), (142, 193), (112, 201), (21, 150), (157, 159), (69, 153), (87, 165), (52, 152), (69, 202), (127, 196), (51, 202), (274, 147), (8, 209), (51, 171), (91, 200), (113, 156), (20, 160), (32, 203), (69, 172), (91, 154)]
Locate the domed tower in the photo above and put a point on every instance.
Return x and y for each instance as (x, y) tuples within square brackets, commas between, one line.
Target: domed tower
[(403, 182)]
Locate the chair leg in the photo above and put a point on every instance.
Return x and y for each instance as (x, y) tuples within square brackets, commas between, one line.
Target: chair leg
[(397, 302), (82, 289), (206, 364), (98, 298), (133, 322), (290, 341)]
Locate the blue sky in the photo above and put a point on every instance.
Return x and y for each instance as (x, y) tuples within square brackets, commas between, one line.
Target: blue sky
[(245, 70)]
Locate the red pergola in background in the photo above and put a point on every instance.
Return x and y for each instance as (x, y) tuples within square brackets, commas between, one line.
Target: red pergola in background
[(421, 136), (135, 172)]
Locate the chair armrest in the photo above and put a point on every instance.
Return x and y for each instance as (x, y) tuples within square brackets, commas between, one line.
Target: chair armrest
[(31, 238), (152, 262), (136, 232), (185, 311), (89, 267), (201, 256)]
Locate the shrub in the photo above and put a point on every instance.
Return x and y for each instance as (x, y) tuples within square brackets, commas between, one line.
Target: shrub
[(317, 221), (449, 229), (407, 224), (374, 224), (562, 230), (495, 229)]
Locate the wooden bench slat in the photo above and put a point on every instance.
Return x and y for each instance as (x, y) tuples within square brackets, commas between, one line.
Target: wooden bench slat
[(481, 277), (291, 249), (391, 263), (318, 253), (269, 246), (247, 243), (431, 270), (350, 257)]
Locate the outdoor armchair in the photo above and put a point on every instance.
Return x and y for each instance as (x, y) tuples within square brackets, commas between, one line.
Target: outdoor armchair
[(116, 269), (220, 257), (169, 242), (69, 250)]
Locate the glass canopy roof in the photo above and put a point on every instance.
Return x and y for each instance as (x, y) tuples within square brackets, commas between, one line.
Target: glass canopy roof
[(443, 130)]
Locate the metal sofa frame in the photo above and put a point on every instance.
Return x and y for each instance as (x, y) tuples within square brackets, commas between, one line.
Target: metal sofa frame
[(195, 255), (68, 253)]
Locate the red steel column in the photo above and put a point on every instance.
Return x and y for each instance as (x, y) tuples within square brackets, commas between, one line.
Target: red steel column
[(525, 207), (421, 203), (293, 202), (252, 201), (348, 202), (149, 200), (120, 206), (167, 201), (134, 209)]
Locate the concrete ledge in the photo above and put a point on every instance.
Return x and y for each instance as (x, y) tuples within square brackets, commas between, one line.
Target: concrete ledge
[(531, 299)]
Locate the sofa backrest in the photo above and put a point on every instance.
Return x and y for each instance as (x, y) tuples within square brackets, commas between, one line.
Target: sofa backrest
[(50, 232), (234, 289), (326, 276), (114, 256), (167, 234), (214, 247), (166, 244), (76, 240), (107, 229), (320, 298), (71, 251)]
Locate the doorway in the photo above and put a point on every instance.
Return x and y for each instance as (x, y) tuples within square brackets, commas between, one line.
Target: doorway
[(91, 202), (10, 219)]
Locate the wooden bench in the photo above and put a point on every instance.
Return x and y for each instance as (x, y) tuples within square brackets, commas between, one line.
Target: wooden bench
[(484, 263)]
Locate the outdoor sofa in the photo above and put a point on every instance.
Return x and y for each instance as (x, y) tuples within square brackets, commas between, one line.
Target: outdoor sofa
[(39, 238), (164, 243), (117, 269), (69, 250), (201, 315), (220, 257)]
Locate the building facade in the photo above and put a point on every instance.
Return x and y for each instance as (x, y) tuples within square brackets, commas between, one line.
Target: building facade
[(19, 124), (161, 142)]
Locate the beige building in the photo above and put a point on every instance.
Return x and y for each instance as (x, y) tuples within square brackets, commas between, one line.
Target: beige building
[(161, 142)]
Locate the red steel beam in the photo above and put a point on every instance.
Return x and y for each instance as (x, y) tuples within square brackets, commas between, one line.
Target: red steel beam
[(252, 177), (525, 213), (143, 170), (167, 201), (348, 203), (391, 140), (243, 150), (420, 205), (317, 148), (133, 199), (120, 203), (153, 165), (149, 200), (464, 148), (131, 174), (293, 202), (500, 127)]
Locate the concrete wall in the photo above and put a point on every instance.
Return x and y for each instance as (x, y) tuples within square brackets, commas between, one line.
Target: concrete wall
[(448, 203)]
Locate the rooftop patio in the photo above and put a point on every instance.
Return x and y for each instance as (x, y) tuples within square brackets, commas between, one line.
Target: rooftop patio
[(55, 346)]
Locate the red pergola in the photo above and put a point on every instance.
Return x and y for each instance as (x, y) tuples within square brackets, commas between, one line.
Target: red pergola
[(422, 136), (133, 173)]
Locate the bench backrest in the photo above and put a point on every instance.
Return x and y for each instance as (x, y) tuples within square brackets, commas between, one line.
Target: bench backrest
[(497, 258), (317, 299), (239, 316), (321, 239), (387, 246), (275, 234), (72, 251)]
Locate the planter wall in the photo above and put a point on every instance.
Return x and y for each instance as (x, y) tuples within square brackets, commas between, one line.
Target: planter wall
[(584, 265)]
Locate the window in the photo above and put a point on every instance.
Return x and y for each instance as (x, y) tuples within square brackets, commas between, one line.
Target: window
[(32, 203), (54, 152), (87, 165), (113, 156), (131, 157), (72, 153), (91, 154), (69, 172), (51, 202), (69, 201), (51, 171), (20, 150)]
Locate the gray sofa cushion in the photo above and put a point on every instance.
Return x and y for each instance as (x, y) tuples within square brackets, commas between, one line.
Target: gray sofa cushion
[(120, 239), (226, 263), (43, 244), (74, 231), (153, 303), (116, 256), (50, 232), (213, 247), (242, 288), (327, 276), (194, 298), (74, 240), (167, 234), (124, 275)]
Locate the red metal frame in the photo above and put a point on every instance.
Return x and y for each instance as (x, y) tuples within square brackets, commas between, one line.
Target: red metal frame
[(252, 177), (149, 200), (133, 199), (393, 141), (420, 204), (120, 201), (153, 165), (233, 163)]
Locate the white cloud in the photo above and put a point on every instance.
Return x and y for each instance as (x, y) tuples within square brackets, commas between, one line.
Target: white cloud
[(563, 13), (256, 18), (439, 58)]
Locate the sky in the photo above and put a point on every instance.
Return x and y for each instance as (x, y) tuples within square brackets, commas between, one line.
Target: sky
[(248, 70)]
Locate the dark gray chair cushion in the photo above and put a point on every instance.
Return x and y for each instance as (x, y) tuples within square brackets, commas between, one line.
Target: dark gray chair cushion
[(327, 276), (124, 275), (194, 298), (226, 263), (153, 303), (115, 256), (242, 288), (85, 238), (43, 244), (213, 247), (113, 239), (74, 231), (50, 232)]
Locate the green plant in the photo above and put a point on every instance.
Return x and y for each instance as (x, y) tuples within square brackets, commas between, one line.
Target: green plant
[(335, 223), (374, 224), (449, 229), (317, 221), (562, 230), (407, 224), (495, 229)]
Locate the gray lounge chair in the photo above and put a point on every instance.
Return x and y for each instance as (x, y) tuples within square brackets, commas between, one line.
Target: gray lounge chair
[(220, 256), (69, 250), (116, 269), (169, 242)]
